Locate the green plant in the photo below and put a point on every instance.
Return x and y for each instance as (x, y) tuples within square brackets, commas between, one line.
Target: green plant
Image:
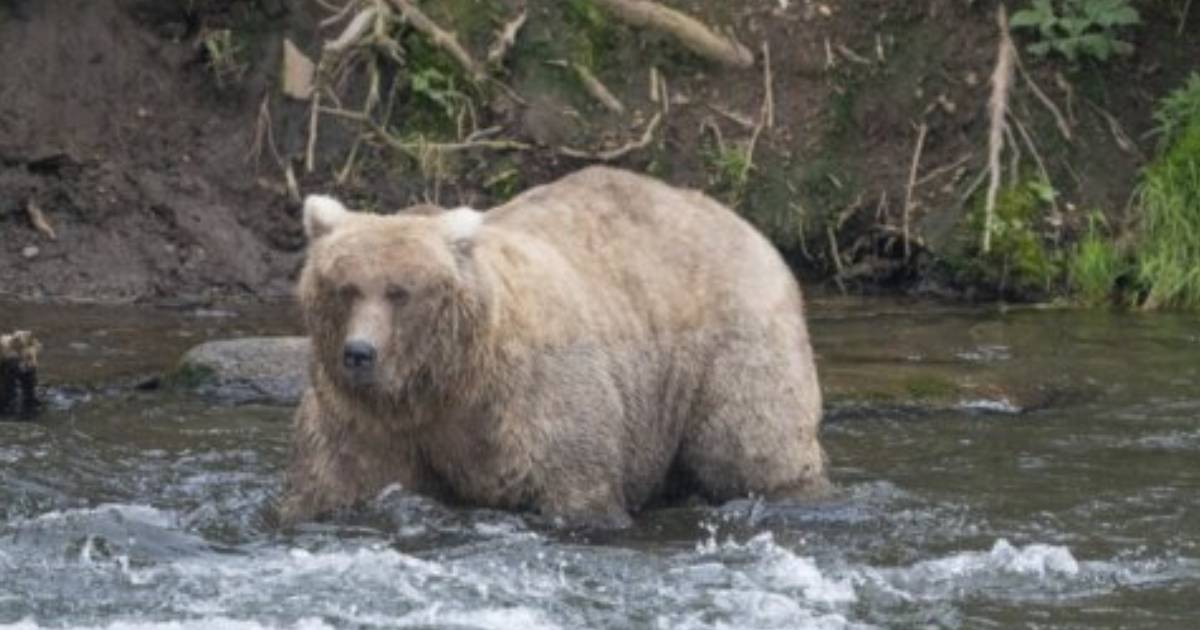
[(1019, 259), (591, 35), (224, 55), (1076, 28), (1095, 265), (1168, 256), (1177, 110), (505, 184), (439, 89), (730, 173)]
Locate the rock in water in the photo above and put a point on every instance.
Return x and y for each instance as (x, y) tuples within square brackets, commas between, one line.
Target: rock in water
[(255, 369)]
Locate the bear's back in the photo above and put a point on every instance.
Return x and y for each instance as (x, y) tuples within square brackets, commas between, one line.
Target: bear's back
[(674, 252)]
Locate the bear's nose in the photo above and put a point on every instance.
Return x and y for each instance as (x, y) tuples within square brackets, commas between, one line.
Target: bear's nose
[(357, 354)]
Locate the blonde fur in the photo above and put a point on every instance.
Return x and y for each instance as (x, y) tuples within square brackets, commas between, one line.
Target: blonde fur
[(593, 346)]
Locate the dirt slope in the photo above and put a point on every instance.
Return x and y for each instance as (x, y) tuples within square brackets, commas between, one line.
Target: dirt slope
[(141, 170), (161, 184)]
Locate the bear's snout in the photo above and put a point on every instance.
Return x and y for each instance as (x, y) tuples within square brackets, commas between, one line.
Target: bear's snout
[(358, 357)]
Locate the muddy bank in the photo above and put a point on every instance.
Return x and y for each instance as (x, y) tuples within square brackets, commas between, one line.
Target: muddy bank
[(110, 127), (154, 139)]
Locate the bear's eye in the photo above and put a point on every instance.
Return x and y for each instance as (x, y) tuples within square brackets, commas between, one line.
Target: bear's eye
[(348, 292), (396, 293)]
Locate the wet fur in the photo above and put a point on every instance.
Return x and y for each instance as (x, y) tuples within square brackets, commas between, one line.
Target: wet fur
[(590, 340), (18, 374)]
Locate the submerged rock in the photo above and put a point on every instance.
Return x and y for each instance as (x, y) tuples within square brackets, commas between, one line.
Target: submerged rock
[(254, 369)]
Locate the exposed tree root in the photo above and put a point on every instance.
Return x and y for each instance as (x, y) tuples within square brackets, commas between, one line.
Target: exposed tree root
[(597, 90), (37, 218), (1059, 119), (997, 108), (922, 130), (690, 32), (506, 39), (621, 151), (446, 40)]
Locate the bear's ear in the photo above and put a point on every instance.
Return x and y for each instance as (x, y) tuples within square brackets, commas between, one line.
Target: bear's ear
[(321, 215), (461, 223), (459, 226)]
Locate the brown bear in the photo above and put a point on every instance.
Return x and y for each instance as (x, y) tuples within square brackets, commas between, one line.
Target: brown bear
[(18, 373), (587, 348)]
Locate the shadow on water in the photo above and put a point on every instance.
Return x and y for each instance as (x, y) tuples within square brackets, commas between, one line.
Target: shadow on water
[(1075, 504)]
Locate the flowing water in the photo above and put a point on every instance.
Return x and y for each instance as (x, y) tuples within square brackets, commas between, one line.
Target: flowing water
[(123, 508)]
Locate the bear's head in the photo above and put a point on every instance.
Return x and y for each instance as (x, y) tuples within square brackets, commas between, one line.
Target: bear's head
[(20, 349), (391, 302)]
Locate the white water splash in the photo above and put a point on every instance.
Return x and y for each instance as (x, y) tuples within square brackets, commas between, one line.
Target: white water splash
[(1029, 571), (990, 405), (212, 623)]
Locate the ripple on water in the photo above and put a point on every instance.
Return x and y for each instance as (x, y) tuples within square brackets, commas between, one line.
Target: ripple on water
[(132, 566), (143, 513)]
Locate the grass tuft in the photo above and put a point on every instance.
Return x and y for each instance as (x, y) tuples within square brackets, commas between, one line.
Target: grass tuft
[(1168, 256), (1095, 266)]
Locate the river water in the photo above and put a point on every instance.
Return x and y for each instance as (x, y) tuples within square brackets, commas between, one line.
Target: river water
[(1059, 489)]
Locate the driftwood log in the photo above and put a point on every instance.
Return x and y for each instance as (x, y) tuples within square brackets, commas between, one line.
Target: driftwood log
[(18, 374)]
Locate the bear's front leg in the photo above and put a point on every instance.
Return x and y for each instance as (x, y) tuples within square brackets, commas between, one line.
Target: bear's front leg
[(311, 486), (338, 462), (586, 504)]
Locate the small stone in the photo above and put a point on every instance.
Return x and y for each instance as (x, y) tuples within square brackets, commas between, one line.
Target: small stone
[(30, 252)]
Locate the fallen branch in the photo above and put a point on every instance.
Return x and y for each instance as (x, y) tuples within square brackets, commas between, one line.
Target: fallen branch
[(597, 89), (338, 16), (1183, 17), (848, 53), (837, 258), (263, 130), (939, 171), (1118, 133), (354, 31), (446, 40), (621, 151), (769, 88), (379, 131), (314, 118), (912, 182), (506, 39), (292, 186), (38, 219), (997, 107), (735, 117), (690, 32), (709, 125), (765, 116)]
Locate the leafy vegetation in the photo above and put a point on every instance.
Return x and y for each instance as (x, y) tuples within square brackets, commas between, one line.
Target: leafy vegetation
[(1078, 28), (1096, 264), (1020, 260), (730, 173), (1168, 256), (224, 55), (1177, 110), (592, 36)]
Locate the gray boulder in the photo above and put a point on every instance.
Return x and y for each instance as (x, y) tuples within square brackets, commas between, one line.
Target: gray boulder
[(254, 369)]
